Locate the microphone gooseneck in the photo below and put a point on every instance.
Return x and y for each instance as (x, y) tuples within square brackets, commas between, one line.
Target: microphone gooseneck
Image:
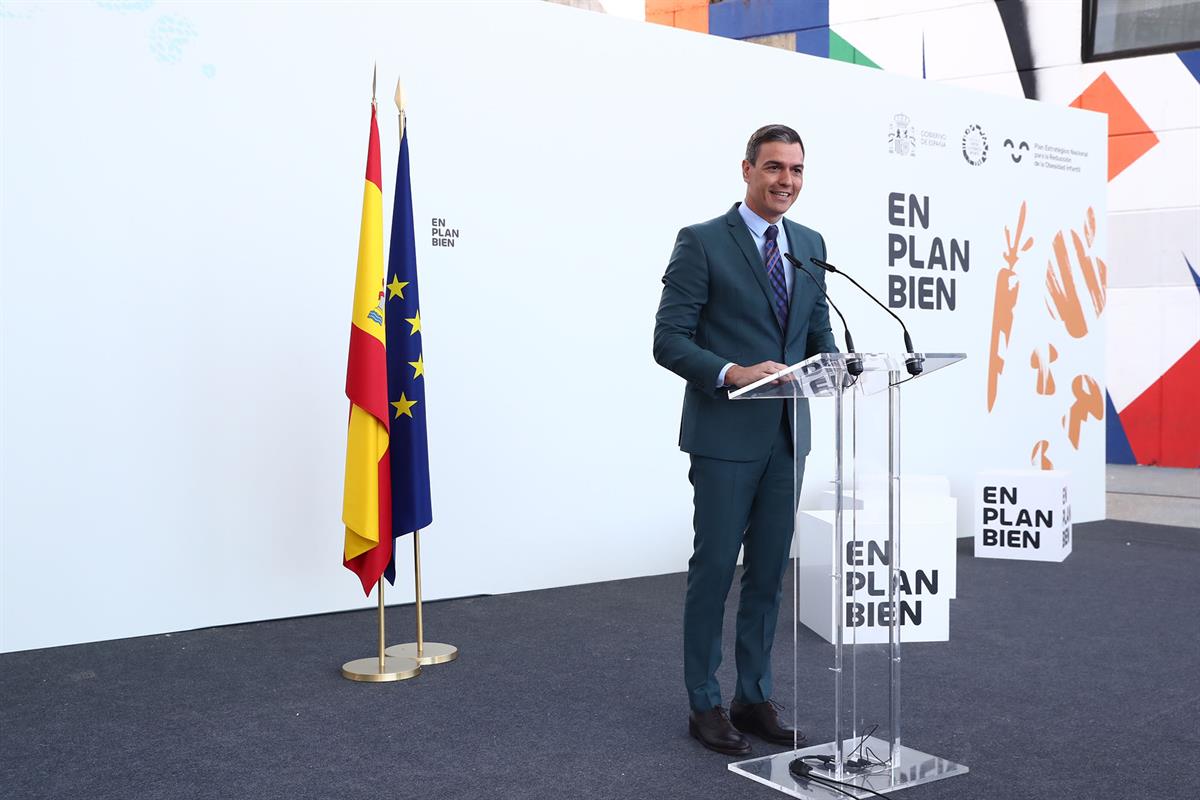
[(914, 363), (854, 364)]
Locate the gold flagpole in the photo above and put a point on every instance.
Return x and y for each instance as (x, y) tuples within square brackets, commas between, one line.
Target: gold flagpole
[(424, 652), (417, 587), (384, 667), (382, 630)]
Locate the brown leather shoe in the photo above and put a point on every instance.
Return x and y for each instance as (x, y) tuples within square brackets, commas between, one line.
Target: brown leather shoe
[(714, 731), (762, 719)]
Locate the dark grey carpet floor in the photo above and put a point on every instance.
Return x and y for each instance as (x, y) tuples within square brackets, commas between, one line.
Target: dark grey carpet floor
[(1072, 680)]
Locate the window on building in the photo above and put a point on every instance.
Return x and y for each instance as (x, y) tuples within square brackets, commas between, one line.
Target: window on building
[(1123, 28)]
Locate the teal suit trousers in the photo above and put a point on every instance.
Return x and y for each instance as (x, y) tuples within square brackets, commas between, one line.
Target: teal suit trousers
[(738, 504)]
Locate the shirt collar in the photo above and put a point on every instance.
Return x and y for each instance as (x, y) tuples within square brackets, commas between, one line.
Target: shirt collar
[(756, 224)]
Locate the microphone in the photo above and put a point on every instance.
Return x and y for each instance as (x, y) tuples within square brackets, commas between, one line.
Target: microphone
[(854, 364), (915, 363)]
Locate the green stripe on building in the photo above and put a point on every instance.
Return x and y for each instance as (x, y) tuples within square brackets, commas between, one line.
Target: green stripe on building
[(841, 50)]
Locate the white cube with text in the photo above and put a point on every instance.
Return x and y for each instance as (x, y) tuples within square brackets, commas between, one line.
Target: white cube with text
[(926, 576), (1023, 515)]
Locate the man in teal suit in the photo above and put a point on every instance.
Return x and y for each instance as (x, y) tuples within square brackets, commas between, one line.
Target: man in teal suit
[(732, 312)]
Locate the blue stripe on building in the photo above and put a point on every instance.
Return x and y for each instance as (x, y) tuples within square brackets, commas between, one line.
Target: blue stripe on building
[(738, 19)]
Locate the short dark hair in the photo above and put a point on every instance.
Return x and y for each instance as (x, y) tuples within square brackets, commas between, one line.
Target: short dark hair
[(771, 133)]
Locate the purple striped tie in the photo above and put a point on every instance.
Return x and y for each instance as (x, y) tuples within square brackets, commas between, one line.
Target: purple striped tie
[(775, 276)]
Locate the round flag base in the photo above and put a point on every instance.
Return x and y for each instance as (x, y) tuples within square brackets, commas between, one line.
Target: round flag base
[(394, 669), (431, 652)]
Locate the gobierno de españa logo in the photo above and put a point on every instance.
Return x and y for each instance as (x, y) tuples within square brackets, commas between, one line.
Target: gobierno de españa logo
[(902, 138)]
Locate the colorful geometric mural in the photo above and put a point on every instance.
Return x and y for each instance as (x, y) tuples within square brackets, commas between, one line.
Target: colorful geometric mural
[(1151, 405), (1128, 135)]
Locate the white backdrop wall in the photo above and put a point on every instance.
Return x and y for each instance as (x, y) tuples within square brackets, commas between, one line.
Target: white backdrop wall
[(181, 199)]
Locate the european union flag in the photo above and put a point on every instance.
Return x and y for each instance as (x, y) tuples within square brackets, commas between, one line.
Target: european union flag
[(411, 508)]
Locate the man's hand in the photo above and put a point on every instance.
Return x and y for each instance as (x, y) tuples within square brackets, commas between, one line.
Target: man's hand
[(744, 376)]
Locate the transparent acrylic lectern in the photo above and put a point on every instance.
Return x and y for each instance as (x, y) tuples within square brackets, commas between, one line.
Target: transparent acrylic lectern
[(848, 581)]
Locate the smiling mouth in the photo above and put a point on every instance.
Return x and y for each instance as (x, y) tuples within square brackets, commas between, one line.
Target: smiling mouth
[(784, 195)]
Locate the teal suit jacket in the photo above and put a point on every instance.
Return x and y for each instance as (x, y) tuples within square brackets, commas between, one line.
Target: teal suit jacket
[(716, 309)]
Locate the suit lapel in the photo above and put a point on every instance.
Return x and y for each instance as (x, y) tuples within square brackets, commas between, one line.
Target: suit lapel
[(745, 242), (801, 286)]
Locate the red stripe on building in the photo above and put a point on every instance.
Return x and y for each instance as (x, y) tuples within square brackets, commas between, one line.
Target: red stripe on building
[(1163, 423)]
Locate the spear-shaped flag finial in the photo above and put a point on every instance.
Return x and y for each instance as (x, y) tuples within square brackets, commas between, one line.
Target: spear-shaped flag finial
[(400, 105)]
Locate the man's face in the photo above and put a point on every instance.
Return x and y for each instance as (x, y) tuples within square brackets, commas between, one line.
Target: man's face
[(774, 181)]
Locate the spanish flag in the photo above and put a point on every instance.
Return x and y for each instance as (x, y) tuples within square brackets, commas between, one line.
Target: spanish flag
[(367, 498)]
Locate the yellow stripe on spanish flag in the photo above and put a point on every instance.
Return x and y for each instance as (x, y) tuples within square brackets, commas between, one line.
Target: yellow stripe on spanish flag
[(368, 283), (366, 446), (367, 494)]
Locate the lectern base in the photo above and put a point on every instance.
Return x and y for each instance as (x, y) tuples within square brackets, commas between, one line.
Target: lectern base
[(912, 768)]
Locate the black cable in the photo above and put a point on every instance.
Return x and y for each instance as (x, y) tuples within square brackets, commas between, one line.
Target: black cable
[(822, 779), (863, 738), (868, 755), (897, 383), (874, 759), (823, 784), (802, 770), (866, 789), (804, 774)]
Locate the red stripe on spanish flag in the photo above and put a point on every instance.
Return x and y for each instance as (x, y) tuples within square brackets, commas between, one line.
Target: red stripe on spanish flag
[(366, 499), (374, 168), (366, 384)]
